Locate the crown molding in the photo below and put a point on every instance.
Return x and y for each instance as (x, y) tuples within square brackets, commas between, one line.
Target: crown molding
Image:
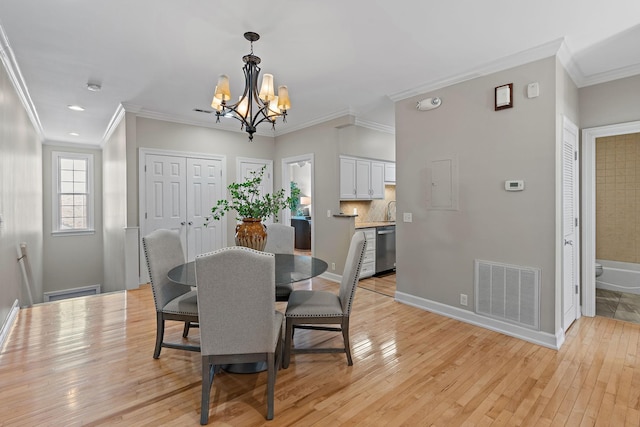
[(375, 126), (117, 117), (504, 63), (13, 71), (620, 73), (75, 145), (332, 116), (230, 125)]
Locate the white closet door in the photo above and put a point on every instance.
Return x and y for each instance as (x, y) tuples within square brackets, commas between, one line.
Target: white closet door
[(570, 213), (204, 189), (166, 198)]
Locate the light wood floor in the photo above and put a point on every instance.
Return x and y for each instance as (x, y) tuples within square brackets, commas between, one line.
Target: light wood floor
[(88, 361)]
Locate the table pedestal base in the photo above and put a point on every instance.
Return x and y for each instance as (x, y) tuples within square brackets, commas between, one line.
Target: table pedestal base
[(245, 368)]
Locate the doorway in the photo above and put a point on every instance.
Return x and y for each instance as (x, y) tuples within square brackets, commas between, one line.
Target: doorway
[(588, 206), (298, 181)]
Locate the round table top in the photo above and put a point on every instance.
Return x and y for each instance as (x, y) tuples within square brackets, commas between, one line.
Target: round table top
[(289, 269)]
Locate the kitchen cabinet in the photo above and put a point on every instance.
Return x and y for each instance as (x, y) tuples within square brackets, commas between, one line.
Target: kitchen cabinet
[(368, 267), (361, 179), (390, 173)]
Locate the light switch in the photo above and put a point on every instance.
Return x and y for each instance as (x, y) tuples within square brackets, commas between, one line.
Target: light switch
[(407, 217), (533, 90)]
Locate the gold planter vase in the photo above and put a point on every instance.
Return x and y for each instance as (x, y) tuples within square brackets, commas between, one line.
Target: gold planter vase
[(251, 233)]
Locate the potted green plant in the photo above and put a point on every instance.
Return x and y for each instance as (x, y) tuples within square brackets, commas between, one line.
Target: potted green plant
[(295, 197), (251, 208)]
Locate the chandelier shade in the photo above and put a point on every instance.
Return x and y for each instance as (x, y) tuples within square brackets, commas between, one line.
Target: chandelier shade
[(254, 106)]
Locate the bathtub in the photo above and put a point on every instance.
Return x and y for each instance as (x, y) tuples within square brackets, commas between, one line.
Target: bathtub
[(619, 276)]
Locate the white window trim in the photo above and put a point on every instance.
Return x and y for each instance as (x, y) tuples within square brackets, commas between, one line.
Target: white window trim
[(55, 208)]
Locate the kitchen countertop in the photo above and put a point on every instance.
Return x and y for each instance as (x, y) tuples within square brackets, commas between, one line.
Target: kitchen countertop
[(374, 224)]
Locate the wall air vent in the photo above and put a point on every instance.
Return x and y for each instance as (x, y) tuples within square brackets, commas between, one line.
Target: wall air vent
[(72, 293), (509, 293)]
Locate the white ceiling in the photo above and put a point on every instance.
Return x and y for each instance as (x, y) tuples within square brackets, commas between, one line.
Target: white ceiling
[(161, 58)]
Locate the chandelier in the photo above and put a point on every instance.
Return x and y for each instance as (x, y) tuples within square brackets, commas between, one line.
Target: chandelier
[(253, 106)]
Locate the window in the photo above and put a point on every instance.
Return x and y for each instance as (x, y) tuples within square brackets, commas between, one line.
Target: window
[(72, 193)]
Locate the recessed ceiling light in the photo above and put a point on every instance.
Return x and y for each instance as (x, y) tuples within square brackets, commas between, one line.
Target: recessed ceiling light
[(94, 87), (75, 107), (74, 134)]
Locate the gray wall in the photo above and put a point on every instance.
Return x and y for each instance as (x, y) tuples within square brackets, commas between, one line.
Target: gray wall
[(71, 261), (332, 234), (436, 252), (365, 142), (610, 103), (20, 198)]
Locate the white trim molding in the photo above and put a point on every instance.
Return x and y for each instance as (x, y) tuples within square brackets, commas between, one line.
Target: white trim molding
[(8, 323), (588, 207), (15, 75), (553, 341), (520, 58)]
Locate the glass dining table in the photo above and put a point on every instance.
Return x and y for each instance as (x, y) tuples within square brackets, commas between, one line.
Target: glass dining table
[(289, 269)]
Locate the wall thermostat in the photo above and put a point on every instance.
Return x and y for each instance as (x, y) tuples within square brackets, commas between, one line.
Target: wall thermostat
[(514, 185)]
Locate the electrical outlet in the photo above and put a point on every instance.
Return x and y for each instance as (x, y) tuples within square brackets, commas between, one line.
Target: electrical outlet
[(407, 217), (333, 265), (463, 299), (329, 213)]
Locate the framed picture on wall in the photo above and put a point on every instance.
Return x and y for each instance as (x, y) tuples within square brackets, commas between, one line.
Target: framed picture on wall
[(504, 97)]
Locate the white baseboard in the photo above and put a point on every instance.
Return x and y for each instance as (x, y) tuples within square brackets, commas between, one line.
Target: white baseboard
[(331, 276), (536, 337), (9, 321)]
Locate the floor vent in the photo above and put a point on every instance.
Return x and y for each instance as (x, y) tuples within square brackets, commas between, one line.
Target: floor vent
[(508, 292), (72, 293)]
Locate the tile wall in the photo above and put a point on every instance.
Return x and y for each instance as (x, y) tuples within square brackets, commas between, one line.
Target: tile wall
[(618, 198), (372, 210)]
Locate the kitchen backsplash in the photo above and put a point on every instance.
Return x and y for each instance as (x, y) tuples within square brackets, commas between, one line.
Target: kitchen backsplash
[(372, 210)]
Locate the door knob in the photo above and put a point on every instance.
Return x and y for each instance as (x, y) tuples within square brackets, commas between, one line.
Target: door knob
[(190, 222), (182, 223)]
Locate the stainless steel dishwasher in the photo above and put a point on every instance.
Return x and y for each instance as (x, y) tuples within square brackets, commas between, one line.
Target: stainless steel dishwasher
[(385, 248)]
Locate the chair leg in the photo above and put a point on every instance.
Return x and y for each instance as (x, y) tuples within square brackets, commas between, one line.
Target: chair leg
[(208, 372), (159, 334), (271, 383), (185, 332), (288, 342), (345, 336)]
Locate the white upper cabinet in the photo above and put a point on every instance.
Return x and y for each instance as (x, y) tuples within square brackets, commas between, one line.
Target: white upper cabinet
[(361, 179), (390, 173), (347, 178), (377, 180)]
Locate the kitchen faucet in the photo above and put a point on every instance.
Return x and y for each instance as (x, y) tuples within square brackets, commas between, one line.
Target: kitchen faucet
[(389, 209)]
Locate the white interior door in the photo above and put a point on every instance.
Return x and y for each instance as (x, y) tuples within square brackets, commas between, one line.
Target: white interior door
[(204, 189), (165, 195), (246, 166), (570, 244)]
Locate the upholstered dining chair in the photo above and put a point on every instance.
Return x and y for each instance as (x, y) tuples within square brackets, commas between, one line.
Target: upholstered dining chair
[(309, 309), (238, 320), (163, 251), (280, 239)]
